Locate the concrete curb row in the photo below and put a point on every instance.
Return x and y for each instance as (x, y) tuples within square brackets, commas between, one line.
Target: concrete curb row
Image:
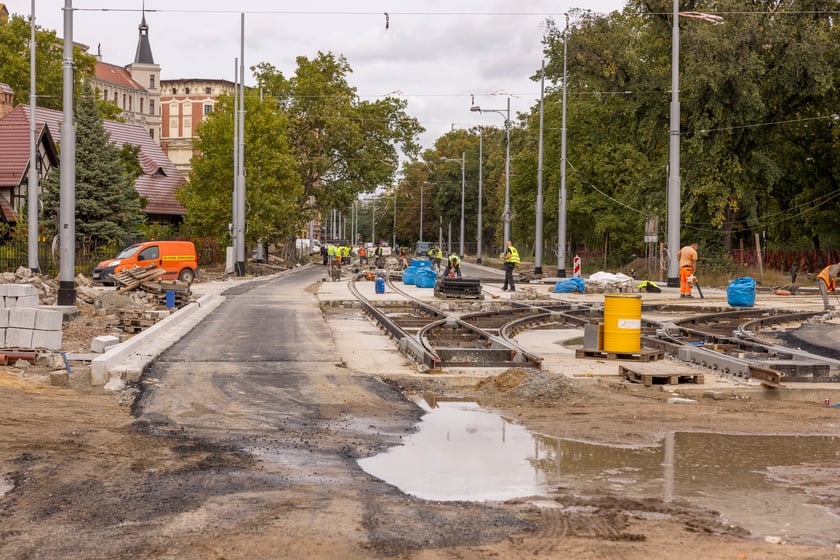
[(127, 361)]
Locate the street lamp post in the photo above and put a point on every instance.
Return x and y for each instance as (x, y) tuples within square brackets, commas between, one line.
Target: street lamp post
[(674, 188), (478, 240), (463, 183), (674, 154), (421, 213), (506, 216)]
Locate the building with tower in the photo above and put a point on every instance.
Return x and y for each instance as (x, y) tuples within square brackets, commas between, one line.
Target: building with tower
[(135, 89)]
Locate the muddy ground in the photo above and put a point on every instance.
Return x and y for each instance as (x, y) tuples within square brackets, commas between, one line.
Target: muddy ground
[(63, 449)]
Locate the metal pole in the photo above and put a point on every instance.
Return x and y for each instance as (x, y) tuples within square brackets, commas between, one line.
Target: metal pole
[(463, 184), (480, 188), (561, 219), (674, 159), (421, 213), (233, 220), (67, 195), (507, 215), (32, 187), (240, 201), (538, 242), (373, 221), (394, 240), (449, 238)]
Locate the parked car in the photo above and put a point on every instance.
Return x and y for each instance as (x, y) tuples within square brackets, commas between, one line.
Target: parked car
[(422, 248), (177, 258)]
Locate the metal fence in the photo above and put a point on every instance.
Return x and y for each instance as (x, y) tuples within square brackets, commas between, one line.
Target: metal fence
[(15, 254)]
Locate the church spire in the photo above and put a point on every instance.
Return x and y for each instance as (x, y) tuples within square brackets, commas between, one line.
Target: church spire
[(144, 49)]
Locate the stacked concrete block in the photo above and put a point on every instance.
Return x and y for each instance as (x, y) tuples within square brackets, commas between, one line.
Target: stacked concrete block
[(23, 324)]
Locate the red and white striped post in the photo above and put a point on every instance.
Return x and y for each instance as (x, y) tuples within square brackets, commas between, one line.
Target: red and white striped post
[(576, 266)]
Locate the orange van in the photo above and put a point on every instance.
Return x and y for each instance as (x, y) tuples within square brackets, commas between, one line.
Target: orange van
[(177, 258)]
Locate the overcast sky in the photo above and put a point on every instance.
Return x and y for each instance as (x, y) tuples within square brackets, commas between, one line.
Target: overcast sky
[(435, 53)]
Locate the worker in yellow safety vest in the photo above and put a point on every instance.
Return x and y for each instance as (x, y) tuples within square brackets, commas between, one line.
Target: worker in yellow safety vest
[(436, 256), (511, 259), (453, 264)]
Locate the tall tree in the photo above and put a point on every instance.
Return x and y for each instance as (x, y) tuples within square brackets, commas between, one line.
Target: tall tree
[(757, 95), (14, 63), (273, 187), (344, 146), (108, 207)]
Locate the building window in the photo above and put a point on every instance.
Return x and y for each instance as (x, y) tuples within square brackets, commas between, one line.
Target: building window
[(187, 91), (187, 127), (151, 81), (151, 106), (151, 131), (174, 91), (115, 93), (208, 90), (208, 109), (124, 102), (104, 91), (141, 103), (130, 103)]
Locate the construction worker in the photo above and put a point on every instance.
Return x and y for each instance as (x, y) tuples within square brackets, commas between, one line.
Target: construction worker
[(827, 281), (345, 254), (453, 264), (688, 264), (511, 260), (436, 255), (363, 259), (378, 253), (331, 253)]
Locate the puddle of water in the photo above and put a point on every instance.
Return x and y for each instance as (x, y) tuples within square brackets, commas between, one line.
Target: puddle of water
[(461, 452)]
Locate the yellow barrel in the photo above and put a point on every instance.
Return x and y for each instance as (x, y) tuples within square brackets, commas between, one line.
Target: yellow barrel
[(622, 323)]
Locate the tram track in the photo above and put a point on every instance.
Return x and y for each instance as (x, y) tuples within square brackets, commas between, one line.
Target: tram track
[(729, 342)]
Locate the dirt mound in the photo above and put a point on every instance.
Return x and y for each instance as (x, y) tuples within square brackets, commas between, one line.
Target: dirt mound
[(540, 388)]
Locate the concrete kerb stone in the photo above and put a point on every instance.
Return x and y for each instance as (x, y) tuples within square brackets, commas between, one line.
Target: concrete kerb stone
[(133, 355)]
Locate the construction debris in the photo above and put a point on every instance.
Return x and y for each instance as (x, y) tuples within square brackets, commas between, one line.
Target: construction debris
[(146, 278)]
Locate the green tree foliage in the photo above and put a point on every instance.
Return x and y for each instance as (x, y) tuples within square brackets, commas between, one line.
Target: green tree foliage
[(758, 127), (108, 207), (344, 146), (14, 63), (273, 188)]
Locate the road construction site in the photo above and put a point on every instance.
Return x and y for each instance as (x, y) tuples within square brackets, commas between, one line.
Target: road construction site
[(277, 417)]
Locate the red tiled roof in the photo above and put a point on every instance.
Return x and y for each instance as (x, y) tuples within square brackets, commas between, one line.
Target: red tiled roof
[(116, 75), (5, 88), (14, 146), (160, 180)]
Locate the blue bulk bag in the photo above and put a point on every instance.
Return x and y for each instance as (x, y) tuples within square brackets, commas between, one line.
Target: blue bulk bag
[(569, 286), (420, 264), (425, 278), (741, 292), (408, 275)]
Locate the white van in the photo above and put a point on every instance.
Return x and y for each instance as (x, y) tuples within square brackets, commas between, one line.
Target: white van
[(311, 245)]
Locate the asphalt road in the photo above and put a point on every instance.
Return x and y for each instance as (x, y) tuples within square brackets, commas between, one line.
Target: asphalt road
[(260, 379)]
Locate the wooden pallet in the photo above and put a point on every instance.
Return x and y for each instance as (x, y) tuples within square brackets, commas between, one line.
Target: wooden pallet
[(649, 378), (131, 321), (644, 355)]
